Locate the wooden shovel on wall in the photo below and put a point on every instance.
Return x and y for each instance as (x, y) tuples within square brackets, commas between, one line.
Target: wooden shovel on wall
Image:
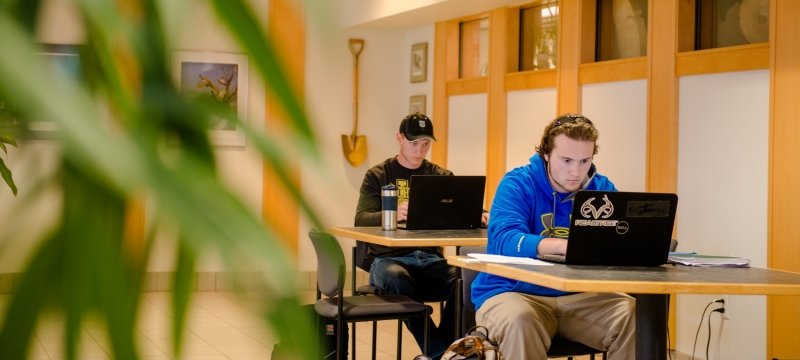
[(354, 145)]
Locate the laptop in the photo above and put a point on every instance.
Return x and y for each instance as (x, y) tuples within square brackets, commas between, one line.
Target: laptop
[(444, 202), (619, 229)]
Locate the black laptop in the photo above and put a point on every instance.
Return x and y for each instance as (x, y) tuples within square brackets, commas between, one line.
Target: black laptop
[(444, 202), (619, 229)]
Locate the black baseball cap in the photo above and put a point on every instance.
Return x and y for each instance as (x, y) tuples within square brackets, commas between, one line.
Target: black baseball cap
[(417, 126)]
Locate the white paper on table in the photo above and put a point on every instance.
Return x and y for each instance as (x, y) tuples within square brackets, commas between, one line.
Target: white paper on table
[(502, 259)]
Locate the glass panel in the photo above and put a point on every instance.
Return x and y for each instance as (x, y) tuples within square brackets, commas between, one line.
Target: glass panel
[(621, 29), (538, 36), (474, 51), (731, 22)]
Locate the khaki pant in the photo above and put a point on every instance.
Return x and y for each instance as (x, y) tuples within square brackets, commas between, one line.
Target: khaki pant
[(525, 324)]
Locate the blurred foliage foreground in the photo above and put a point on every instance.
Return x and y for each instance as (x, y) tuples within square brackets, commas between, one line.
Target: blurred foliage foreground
[(118, 124)]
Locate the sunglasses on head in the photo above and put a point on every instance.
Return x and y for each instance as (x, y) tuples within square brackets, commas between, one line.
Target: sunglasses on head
[(571, 118)]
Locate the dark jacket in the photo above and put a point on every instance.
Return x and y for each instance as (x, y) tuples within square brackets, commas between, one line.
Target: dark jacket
[(368, 211)]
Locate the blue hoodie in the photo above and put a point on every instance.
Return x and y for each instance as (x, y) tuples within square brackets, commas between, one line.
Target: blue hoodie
[(521, 216)]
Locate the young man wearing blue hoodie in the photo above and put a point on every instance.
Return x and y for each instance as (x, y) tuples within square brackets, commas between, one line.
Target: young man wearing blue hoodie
[(530, 215)]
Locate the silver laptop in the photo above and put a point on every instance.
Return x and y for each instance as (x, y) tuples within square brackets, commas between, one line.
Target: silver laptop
[(619, 229), (444, 202)]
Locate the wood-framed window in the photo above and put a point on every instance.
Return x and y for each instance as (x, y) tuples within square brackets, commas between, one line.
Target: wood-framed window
[(473, 48), (722, 23), (621, 29), (538, 37)]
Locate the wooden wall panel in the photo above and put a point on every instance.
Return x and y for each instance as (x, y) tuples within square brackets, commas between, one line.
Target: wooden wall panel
[(662, 92), (496, 123), (287, 32), (467, 86), (783, 244), (445, 69), (569, 56), (662, 107), (613, 70), (531, 80), (732, 58)]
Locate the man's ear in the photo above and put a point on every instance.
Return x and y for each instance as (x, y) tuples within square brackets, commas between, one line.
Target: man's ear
[(547, 157), (399, 138)]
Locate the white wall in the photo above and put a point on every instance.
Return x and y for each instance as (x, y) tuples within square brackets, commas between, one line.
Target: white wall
[(466, 142), (356, 12), (384, 91), (240, 167), (33, 212), (528, 112), (722, 206), (424, 34), (393, 14), (619, 111)]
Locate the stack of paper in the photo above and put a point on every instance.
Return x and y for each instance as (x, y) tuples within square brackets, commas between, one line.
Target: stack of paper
[(693, 259), (500, 259)]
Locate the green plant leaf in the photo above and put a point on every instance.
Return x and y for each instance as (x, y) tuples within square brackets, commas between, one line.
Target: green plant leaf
[(85, 268), (22, 313), (5, 172), (7, 138), (181, 294), (248, 31)]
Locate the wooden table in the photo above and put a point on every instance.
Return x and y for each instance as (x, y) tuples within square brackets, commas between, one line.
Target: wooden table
[(650, 285), (412, 238)]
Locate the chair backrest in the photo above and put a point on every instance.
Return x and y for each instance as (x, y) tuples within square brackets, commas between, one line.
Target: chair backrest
[(467, 276), (330, 263)]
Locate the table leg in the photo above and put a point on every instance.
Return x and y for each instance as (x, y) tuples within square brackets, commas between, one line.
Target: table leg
[(651, 326)]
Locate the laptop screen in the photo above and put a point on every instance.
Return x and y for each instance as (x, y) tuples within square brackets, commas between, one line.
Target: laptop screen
[(621, 228), (444, 202)]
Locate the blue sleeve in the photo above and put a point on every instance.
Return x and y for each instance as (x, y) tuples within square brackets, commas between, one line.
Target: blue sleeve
[(512, 210)]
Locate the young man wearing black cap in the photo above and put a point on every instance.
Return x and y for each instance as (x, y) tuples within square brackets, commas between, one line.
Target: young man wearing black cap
[(419, 273)]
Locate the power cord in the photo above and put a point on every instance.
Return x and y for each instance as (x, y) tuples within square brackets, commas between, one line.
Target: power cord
[(708, 341), (722, 301), (669, 352)]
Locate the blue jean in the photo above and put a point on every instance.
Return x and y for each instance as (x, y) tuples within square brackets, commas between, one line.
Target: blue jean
[(423, 277)]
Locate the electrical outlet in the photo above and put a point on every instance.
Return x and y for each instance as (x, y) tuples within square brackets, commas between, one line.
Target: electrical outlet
[(727, 306)]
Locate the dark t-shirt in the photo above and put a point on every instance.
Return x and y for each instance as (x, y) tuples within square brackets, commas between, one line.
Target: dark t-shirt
[(368, 211)]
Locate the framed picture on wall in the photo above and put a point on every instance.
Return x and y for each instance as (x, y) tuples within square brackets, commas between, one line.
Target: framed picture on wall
[(416, 104), (64, 61), (419, 62), (220, 77)]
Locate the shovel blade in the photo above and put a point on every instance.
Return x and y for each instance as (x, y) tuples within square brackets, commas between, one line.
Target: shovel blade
[(355, 150)]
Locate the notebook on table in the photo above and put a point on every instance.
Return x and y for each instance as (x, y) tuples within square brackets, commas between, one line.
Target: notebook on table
[(444, 202), (619, 229)]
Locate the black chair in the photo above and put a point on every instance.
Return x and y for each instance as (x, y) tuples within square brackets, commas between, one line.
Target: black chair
[(366, 290), (331, 269), (371, 290), (559, 347)]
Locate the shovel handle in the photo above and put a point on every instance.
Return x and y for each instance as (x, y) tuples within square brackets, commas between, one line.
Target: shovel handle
[(355, 46)]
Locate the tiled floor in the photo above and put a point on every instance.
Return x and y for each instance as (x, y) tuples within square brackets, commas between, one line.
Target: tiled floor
[(220, 326)]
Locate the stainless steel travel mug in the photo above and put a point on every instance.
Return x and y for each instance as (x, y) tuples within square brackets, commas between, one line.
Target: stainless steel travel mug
[(389, 207)]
